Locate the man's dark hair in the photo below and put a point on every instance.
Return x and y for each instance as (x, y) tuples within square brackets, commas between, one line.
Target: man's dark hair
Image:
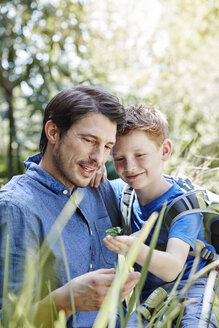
[(70, 105)]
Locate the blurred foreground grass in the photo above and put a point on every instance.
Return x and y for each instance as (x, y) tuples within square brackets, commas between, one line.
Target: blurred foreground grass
[(19, 312)]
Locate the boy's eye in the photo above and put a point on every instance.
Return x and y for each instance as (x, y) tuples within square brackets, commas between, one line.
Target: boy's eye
[(140, 155), (118, 159)]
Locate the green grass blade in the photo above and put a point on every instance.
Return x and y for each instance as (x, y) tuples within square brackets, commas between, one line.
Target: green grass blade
[(111, 300), (65, 215), (180, 316), (5, 304), (208, 297), (136, 295), (167, 313), (214, 304), (60, 322), (202, 272), (53, 235), (69, 280)]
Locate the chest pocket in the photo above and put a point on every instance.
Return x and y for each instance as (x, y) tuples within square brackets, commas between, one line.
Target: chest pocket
[(105, 254)]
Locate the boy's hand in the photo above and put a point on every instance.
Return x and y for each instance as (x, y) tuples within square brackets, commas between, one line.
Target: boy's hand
[(99, 177), (119, 244)]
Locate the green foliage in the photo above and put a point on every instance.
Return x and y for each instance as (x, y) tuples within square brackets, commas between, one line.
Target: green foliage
[(163, 53), (36, 62), (186, 89), (175, 69)]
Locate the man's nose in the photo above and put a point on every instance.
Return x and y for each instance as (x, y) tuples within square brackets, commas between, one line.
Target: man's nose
[(97, 155)]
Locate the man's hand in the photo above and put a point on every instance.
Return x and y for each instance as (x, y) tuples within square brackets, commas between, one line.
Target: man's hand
[(131, 282), (91, 288), (99, 177), (89, 291)]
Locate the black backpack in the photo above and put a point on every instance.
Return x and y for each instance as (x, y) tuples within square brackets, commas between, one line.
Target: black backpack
[(194, 200)]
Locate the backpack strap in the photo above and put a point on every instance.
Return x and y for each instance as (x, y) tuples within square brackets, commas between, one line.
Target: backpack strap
[(178, 206), (186, 204), (110, 201), (127, 198), (208, 255)]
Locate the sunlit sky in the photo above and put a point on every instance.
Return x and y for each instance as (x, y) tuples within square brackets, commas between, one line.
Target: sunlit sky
[(140, 14), (138, 18)]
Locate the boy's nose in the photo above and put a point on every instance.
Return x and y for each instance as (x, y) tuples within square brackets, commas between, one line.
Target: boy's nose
[(130, 166)]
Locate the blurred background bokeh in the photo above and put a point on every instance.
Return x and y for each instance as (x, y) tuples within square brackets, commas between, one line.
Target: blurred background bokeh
[(163, 52)]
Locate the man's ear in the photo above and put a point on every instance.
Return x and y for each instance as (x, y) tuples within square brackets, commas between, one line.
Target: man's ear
[(166, 150), (51, 131)]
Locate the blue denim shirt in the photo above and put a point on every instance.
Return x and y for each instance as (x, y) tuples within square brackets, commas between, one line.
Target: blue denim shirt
[(29, 206)]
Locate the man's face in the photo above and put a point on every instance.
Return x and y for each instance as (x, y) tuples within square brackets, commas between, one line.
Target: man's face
[(85, 147)]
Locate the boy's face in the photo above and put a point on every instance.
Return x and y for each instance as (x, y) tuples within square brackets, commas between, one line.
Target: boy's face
[(139, 160)]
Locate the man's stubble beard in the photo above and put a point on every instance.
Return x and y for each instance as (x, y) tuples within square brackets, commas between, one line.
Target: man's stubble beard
[(59, 163)]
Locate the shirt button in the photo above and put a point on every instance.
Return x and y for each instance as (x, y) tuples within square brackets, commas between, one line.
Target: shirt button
[(65, 192), (91, 232), (91, 266)]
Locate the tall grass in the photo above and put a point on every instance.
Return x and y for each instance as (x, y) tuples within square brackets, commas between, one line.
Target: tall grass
[(18, 312)]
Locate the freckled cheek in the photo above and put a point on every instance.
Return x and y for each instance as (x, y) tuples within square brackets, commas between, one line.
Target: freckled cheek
[(144, 162), (119, 168)]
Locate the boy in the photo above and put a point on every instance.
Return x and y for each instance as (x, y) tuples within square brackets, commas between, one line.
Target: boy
[(141, 149)]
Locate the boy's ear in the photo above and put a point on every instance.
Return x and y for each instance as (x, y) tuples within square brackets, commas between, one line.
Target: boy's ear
[(166, 149), (51, 132)]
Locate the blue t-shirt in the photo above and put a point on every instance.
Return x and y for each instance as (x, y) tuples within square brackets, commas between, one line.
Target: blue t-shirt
[(29, 207), (188, 228)]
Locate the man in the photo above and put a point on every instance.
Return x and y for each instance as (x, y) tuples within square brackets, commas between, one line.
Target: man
[(79, 130)]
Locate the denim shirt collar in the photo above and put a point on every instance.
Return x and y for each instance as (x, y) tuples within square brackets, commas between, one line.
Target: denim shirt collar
[(34, 171)]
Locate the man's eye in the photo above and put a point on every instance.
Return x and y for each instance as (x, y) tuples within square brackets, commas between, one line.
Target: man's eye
[(140, 155), (108, 147), (88, 140), (118, 159)]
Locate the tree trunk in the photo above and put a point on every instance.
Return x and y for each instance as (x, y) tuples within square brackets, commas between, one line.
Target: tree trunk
[(12, 133)]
